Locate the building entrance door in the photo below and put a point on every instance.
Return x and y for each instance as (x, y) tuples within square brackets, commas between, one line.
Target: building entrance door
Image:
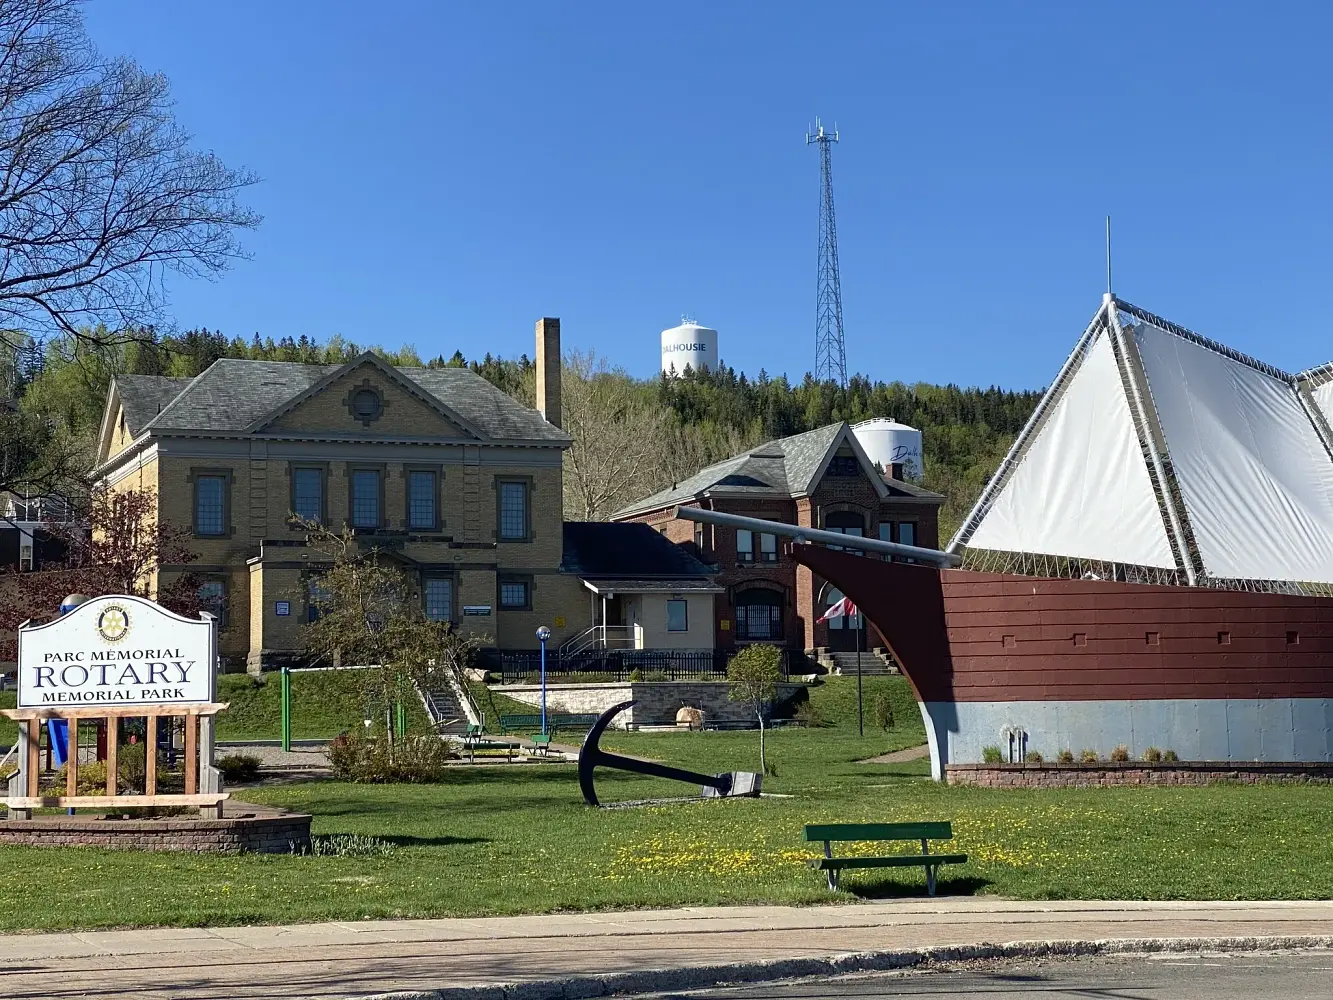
[(846, 630)]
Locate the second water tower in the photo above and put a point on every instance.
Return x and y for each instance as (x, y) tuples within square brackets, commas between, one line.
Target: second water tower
[(689, 344)]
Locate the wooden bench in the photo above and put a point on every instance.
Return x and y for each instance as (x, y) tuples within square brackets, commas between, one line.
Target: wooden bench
[(924, 832), (509, 723)]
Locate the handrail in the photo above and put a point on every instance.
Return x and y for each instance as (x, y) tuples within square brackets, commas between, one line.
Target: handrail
[(800, 533), (597, 635)]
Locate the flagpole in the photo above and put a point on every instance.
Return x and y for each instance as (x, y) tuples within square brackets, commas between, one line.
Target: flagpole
[(860, 715)]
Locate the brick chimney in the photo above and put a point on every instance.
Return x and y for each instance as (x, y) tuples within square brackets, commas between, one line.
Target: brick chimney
[(548, 369)]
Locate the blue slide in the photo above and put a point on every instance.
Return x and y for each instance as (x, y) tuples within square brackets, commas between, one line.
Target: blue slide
[(57, 731)]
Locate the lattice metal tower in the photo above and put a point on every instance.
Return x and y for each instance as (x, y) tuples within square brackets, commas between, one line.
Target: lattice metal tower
[(830, 352)]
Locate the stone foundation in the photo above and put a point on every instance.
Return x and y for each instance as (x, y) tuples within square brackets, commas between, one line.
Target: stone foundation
[(269, 833), (1104, 773), (658, 701)]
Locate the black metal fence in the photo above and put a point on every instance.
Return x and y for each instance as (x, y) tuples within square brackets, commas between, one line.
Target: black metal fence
[(519, 666)]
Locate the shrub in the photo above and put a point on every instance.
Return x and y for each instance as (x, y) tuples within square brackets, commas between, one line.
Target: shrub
[(991, 755), (1169, 755), (131, 762), (635, 676), (883, 711), (357, 757), (808, 715), (238, 768), (1065, 757), (1120, 754), (655, 675), (91, 780), (1033, 757), (1088, 756), (1152, 755)]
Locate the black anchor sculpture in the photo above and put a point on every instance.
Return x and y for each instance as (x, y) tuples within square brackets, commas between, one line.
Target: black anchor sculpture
[(735, 783)]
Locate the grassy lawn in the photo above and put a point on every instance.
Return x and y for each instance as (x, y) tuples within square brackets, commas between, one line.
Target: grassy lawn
[(324, 703), (9, 731), (510, 839)]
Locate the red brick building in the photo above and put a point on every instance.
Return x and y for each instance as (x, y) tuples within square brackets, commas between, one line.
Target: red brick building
[(820, 479)]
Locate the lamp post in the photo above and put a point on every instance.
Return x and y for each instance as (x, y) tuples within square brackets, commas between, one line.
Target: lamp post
[(543, 633)]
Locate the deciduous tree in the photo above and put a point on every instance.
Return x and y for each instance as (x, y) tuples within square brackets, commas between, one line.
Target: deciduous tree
[(370, 613), (752, 679), (101, 194), (114, 545)]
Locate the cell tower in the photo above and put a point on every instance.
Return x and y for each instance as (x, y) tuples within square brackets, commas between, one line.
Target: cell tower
[(830, 352)]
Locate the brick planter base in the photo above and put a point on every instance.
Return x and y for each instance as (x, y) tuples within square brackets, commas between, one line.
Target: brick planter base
[(1193, 772), (270, 833)]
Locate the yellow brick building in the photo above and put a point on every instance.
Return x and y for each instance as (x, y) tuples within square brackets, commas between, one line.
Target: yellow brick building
[(454, 478)]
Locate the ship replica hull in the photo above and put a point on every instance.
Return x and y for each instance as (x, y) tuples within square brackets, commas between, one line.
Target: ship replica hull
[(1035, 664)]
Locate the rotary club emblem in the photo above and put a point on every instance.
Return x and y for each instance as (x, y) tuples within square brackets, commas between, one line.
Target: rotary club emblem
[(113, 624)]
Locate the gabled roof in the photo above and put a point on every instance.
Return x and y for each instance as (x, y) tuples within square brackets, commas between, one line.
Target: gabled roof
[(143, 397), (605, 550), (787, 467), (395, 376), (236, 396)]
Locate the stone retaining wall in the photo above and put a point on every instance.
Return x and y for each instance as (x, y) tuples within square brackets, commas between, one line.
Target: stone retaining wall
[(268, 834), (658, 701), (1194, 772)]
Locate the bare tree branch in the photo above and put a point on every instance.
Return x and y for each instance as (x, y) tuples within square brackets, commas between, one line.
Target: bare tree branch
[(101, 195)]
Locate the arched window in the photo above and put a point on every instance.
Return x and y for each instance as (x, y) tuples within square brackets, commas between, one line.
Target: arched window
[(759, 615)]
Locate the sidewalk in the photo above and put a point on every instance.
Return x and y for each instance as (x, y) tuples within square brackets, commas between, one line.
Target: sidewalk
[(339, 960)]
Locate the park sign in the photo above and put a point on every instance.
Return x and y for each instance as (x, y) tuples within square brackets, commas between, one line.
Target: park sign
[(117, 650)]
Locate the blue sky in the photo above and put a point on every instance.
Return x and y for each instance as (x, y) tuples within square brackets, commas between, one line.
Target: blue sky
[(444, 173)]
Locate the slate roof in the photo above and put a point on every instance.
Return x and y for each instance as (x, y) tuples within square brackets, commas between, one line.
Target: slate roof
[(776, 468), (232, 394), (143, 397), (609, 550), (785, 467)]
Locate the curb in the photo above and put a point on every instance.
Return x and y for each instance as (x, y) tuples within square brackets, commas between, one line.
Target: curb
[(706, 976)]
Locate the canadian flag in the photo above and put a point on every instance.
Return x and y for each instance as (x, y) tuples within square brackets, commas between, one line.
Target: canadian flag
[(843, 607)]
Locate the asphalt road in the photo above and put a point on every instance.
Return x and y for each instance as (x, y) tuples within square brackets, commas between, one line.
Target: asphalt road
[(1170, 977)]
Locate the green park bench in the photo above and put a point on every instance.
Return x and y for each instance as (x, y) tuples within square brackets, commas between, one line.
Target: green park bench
[(510, 723), (924, 832), (475, 738), (541, 742)]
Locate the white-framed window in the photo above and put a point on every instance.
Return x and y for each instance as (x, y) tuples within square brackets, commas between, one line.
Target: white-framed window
[(678, 615)]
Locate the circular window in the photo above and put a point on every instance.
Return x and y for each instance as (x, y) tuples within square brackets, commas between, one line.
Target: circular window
[(366, 404)]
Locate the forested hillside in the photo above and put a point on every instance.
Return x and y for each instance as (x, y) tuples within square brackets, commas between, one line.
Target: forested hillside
[(631, 436)]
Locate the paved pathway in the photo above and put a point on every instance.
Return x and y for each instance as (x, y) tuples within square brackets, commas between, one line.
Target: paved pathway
[(339, 960), (899, 756)]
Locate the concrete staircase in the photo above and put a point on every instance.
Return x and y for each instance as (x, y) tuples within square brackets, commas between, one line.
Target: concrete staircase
[(874, 662), (447, 702)]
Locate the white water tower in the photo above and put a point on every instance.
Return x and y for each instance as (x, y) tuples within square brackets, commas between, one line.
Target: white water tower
[(689, 344), (888, 443)]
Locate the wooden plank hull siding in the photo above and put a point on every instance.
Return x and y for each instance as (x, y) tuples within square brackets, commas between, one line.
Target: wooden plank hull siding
[(1085, 663)]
